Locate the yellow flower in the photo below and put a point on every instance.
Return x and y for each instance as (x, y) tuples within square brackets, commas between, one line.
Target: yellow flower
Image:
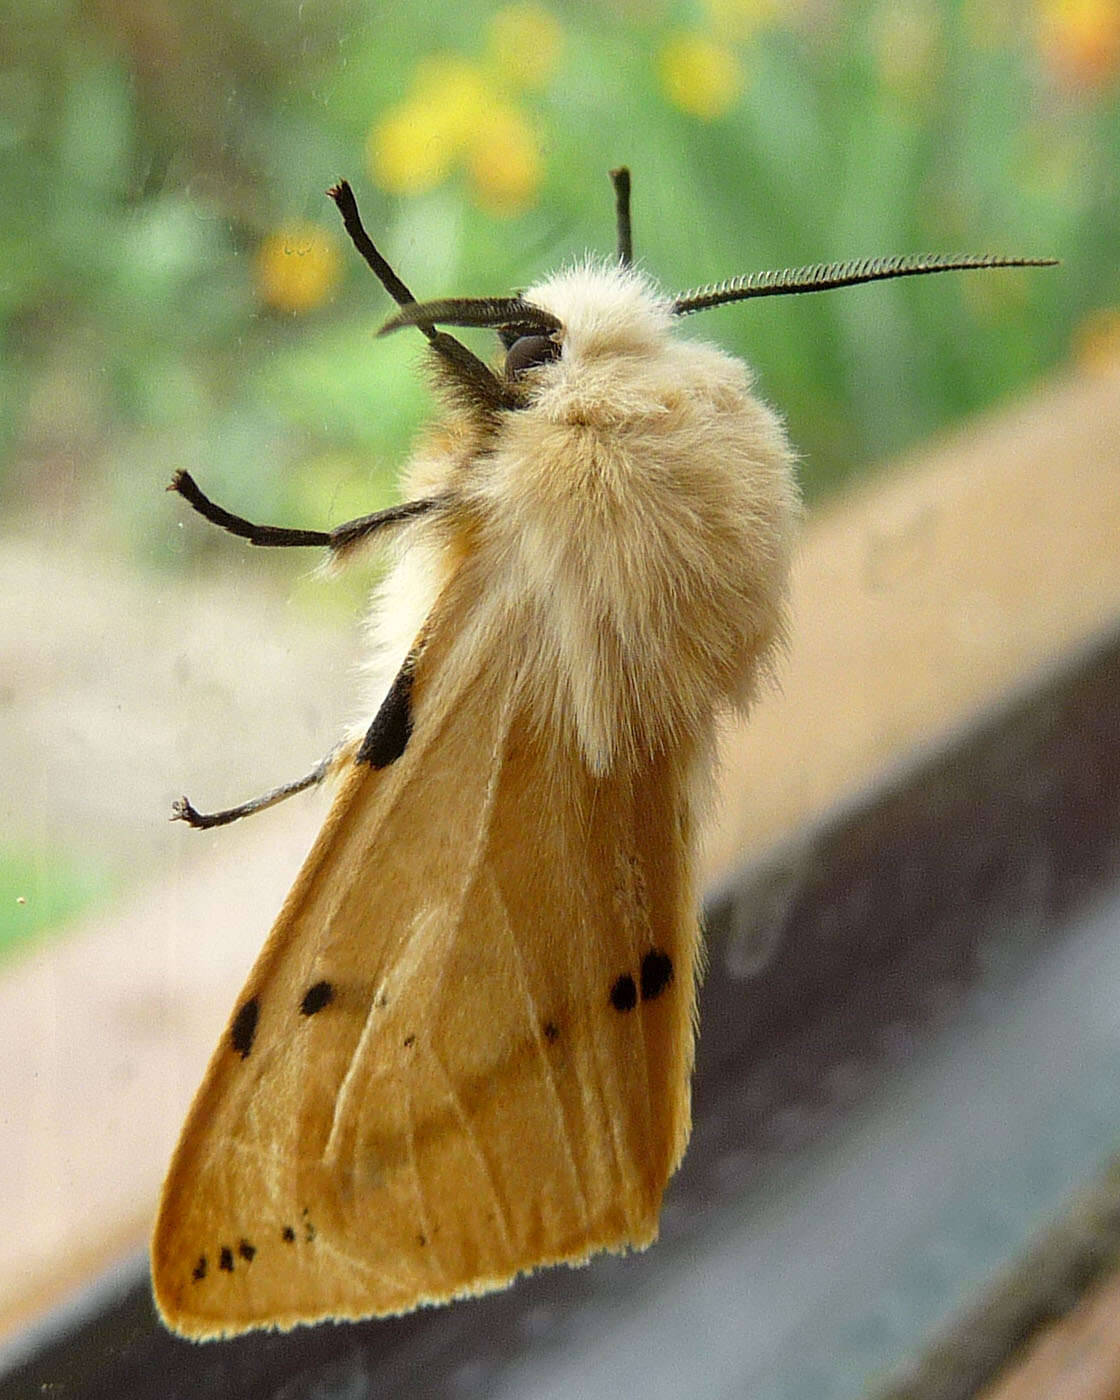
[(504, 162), (297, 267), (526, 42), (456, 116), (407, 150), (1080, 40), (455, 88), (417, 142), (699, 76)]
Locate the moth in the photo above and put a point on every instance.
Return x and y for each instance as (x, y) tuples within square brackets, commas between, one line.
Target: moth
[(464, 1051)]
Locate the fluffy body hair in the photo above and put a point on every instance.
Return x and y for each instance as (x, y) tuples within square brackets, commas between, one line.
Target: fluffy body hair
[(630, 526)]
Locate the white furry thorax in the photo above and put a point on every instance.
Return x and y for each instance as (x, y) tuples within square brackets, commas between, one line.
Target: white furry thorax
[(630, 527)]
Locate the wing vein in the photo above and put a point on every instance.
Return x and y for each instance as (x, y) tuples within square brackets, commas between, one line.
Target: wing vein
[(631, 916), (393, 791), (348, 1084), (596, 1057), (641, 940), (485, 817), (418, 1187), (542, 1052), (470, 878), (475, 1146), (361, 1266)]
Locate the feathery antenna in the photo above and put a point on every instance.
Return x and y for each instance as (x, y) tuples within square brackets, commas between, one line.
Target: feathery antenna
[(474, 311), (822, 277)]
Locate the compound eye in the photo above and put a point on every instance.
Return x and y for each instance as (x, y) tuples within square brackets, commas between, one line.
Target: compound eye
[(528, 351)]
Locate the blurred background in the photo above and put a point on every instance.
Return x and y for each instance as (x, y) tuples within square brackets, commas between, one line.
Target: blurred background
[(176, 292)]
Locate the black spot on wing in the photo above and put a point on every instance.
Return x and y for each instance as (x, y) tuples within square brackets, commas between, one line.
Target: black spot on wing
[(316, 998), (388, 735), (288, 1235), (551, 1032), (247, 1251), (624, 993), (244, 1029), (409, 1042), (225, 1259), (656, 974), (199, 1272)]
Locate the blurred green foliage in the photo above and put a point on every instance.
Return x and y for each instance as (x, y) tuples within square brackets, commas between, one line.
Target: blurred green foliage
[(150, 151)]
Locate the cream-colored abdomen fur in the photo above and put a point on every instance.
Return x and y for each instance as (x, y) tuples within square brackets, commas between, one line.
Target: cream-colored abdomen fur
[(649, 550)]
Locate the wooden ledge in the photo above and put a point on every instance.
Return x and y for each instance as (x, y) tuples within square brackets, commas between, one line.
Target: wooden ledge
[(925, 597)]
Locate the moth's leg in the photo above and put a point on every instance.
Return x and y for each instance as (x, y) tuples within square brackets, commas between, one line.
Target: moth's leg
[(351, 532), (339, 540), (183, 811), (384, 742)]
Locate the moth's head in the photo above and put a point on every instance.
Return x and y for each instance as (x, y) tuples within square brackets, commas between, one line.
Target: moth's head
[(598, 312), (587, 314)]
